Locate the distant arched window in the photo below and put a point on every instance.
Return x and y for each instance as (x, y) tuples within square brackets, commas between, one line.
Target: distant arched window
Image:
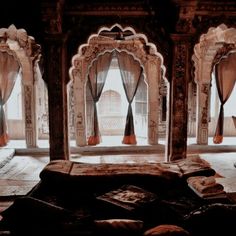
[(112, 121), (110, 103)]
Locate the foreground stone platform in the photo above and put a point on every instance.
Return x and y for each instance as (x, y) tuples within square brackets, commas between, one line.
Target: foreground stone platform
[(69, 200)]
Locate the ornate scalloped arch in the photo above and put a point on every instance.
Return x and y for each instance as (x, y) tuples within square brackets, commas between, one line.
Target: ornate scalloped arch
[(207, 48), (211, 45), (137, 45), (18, 41), (28, 53)]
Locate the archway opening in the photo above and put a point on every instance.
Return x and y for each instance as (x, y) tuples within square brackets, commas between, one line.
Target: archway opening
[(16, 115), (113, 105), (28, 96), (146, 103), (204, 100)]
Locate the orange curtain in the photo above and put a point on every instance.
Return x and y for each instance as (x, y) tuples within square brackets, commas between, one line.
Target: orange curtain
[(225, 74), (9, 69), (96, 81)]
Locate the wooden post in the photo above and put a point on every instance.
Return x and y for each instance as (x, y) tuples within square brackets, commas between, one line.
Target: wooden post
[(56, 72)]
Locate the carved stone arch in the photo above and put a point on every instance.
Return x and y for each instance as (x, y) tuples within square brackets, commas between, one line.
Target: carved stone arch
[(141, 49), (27, 53), (204, 55), (96, 39)]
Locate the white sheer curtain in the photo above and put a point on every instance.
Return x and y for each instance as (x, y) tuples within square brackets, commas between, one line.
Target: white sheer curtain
[(225, 74), (96, 80), (9, 68), (131, 73)]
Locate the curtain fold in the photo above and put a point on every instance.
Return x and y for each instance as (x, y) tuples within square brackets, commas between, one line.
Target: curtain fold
[(225, 75), (96, 81), (131, 73), (9, 69)]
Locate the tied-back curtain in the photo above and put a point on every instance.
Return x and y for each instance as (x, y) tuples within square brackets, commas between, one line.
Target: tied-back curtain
[(225, 75), (96, 81), (131, 73), (9, 69)]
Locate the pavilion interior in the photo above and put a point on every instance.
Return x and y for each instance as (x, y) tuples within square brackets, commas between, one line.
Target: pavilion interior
[(115, 82)]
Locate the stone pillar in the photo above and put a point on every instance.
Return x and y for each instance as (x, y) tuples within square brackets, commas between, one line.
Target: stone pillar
[(178, 99), (80, 101), (153, 72), (205, 54), (203, 91), (29, 98), (203, 79), (56, 73)]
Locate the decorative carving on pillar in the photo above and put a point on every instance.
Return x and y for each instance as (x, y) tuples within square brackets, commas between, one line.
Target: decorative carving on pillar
[(192, 104), (179, 76), (41, 103), (77, 72), (29, 129), (152, 128), (153, 72), (71, 110), (178, 113), (28, 112), (30, 103), (203, 114), (80, 124), (162, 107), (79, 90)]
